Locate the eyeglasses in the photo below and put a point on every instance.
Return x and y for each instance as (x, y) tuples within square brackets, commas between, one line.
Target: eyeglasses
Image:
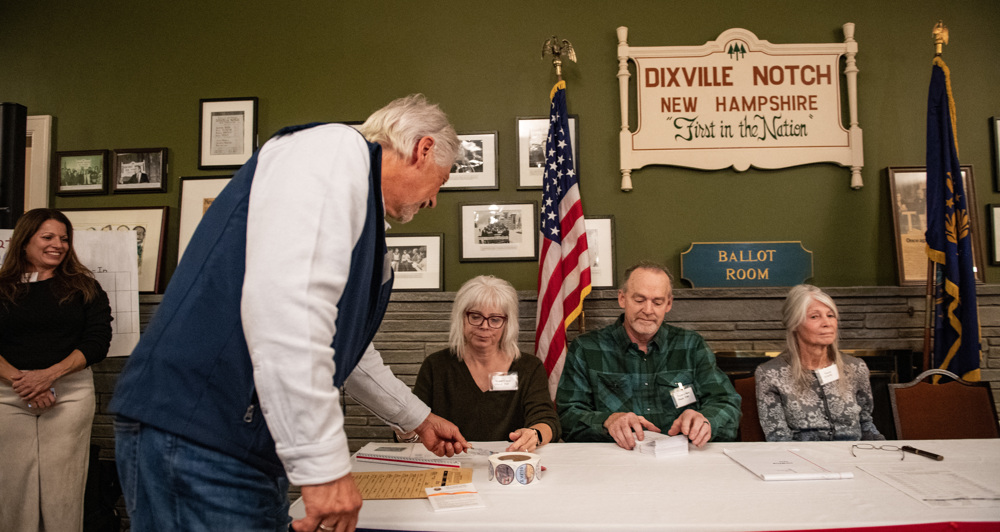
[(494, 322), (870, 447)]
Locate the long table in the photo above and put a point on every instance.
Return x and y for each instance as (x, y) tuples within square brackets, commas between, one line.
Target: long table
[(597, 486)]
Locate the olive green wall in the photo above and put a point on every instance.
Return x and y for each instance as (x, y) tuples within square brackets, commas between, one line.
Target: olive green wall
[(120, 74)]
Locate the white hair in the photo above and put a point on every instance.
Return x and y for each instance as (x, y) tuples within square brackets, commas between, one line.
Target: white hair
[(404, 121), (488, 291), (793, 315)]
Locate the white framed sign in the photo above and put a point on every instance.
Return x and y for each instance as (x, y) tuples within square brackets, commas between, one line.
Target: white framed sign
[(739, 101)]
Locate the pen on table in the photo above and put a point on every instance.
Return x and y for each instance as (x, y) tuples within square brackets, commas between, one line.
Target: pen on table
[(925, 454)]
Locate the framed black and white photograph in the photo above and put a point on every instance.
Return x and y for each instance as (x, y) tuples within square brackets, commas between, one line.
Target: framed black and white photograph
[(531, 135), (228, 134), (81, 172), (498, 231), (601, 246), (476, 165), (417, 261), (994, 214), (908, 189), (197, 195), (149, 225), (140, 170)]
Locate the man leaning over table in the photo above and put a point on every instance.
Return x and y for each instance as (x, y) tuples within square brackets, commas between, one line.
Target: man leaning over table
[(232, 391), (640, 374)]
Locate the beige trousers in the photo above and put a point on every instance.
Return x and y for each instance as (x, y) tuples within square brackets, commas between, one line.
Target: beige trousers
[(43, 458)]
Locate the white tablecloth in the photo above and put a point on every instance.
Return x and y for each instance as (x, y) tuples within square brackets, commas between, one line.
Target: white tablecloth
[(596, 486)]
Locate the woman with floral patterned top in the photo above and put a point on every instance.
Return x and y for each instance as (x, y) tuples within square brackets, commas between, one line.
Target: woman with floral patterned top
[(812, 391)]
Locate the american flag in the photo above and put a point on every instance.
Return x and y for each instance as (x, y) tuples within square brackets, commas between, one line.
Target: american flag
[(564, 262)]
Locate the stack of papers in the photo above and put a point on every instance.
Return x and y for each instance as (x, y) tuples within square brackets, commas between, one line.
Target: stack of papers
[(661, 445)]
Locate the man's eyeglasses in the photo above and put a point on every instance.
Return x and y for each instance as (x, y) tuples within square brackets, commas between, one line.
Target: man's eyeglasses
[(494, 322), (870, 447)]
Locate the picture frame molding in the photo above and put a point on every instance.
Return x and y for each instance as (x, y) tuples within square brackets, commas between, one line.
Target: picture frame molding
[(36, 186), (120, 188), (525, 178), (431, 280), (489, 180), (995, 149), (525, 250), (917, 276), (605, 224), (993, 214), (92, 190), (149, 282), (207, 106), (190, 215)]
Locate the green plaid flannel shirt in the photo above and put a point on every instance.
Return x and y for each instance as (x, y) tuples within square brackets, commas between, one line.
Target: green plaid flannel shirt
[(605, 372)]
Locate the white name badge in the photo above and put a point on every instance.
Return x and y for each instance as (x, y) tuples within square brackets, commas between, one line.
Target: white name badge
[(503, 382), (827, 374), (682, 396)]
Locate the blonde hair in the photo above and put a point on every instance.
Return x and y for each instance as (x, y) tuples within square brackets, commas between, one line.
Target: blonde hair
[(793, 315), (489, 291), (404, 121)]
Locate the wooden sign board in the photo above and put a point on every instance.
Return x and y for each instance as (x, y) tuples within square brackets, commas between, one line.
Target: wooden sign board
[(746, 264), (739, 101)]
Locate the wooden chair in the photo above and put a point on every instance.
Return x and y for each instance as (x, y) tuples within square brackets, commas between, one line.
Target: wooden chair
[(750, 421), (954, 410)]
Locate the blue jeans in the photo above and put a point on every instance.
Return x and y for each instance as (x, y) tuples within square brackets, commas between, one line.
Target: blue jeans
[(172, 484)]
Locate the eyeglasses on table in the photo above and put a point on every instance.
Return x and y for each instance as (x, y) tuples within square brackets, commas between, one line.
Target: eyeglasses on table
[(870, 447)]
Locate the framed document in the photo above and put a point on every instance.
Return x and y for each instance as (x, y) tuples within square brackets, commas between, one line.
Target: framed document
[(228, 134)]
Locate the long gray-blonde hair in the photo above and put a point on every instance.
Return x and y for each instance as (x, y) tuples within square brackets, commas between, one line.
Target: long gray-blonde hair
[(793, 315), (487, 291)]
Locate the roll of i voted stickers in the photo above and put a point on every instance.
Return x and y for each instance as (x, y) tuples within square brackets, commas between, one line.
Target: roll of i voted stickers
[(515, 468)]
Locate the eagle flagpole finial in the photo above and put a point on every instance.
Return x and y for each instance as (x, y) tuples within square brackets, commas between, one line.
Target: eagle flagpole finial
[(557, 48), (940, 34)]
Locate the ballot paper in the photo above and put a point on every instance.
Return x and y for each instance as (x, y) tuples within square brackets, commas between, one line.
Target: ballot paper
[(380, 485), (455, 497), (783, 464), (661, 446)]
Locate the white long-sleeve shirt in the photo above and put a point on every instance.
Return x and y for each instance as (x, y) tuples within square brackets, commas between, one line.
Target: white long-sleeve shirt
[(306, 214)]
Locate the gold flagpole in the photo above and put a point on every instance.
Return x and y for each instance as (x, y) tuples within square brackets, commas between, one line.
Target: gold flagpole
[(557, 48), (940, 35)]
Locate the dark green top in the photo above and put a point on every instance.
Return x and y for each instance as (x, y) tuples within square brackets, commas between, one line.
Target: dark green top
[(605, 372), (445, 384)]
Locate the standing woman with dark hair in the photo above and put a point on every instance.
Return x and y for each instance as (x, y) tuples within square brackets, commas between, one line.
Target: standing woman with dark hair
[(55, 321)]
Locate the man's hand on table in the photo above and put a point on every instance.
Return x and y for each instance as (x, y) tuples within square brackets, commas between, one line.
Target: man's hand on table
[(621, 425), (694, 425)]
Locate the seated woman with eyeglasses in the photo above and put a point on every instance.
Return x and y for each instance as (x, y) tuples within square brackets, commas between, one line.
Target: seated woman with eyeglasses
[(482, 383), (812, 391)]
